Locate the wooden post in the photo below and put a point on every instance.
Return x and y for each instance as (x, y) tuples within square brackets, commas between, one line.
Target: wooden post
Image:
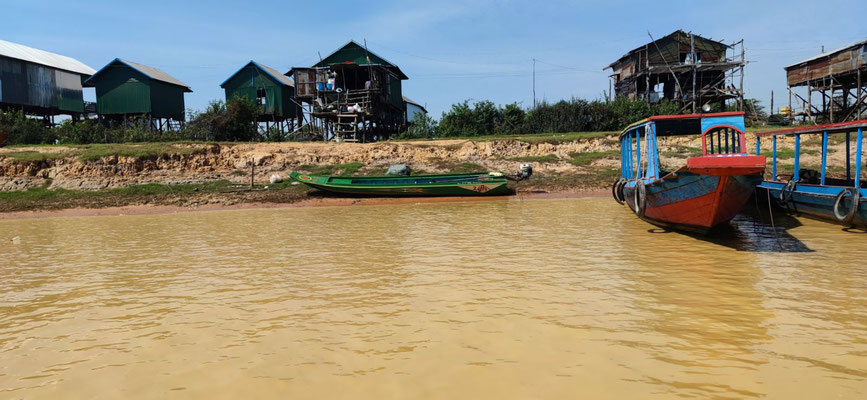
[(772, 102), (692, 54), (809, 100), (791, 114), (858, 100), (252, 172), (646, 74), (741, 88)]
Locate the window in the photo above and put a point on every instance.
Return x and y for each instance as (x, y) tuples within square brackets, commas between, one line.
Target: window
[(260, 96)]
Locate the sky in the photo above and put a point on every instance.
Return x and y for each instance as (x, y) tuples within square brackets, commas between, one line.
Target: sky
[(451, 50)]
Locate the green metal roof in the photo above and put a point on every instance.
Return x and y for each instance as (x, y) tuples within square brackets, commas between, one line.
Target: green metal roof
[(354, 53)]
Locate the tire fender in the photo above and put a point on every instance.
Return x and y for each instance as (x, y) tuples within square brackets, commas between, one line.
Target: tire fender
[(849, 216)]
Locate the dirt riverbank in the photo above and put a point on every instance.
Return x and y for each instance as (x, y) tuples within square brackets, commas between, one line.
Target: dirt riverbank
[(198, 174)]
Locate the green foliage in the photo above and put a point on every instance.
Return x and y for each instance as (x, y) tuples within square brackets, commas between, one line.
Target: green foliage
[(227, 122), (23, 130), (574, 115), (421, 127)]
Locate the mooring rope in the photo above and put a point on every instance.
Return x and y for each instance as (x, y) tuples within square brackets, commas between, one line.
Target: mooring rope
[(771, 214)]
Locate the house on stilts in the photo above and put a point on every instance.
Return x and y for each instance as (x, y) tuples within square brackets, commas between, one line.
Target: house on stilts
[(41, 83), (271, 90), (830, 87), (352, 94), (126, 90), (683, 68)]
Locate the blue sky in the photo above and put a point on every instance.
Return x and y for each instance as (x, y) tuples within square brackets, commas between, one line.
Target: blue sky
[(451, 50)]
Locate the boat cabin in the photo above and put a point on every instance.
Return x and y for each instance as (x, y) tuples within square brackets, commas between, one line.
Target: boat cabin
[(841, 198), (722, 134), (828, 131)]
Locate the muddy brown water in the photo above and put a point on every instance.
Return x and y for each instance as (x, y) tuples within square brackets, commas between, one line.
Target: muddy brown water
[(557, 298)]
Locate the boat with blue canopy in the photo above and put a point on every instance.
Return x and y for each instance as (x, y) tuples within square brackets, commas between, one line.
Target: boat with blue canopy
[(814, 193), (708, 191)]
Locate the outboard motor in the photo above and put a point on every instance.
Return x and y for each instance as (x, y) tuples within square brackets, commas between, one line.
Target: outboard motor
[(525, 172)]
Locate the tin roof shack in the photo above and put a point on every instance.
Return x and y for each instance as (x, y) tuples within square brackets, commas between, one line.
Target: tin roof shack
[(41, 83), (412, 108), (838, 78), (126, 89), (353, 95), (273, 91), (684, 68)]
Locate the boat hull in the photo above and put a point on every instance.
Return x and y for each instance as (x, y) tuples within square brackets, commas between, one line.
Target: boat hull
[(694, 202), (814, 201), (420, 186)]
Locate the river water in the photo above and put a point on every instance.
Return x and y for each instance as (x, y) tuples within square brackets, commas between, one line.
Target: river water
[(495, 299)]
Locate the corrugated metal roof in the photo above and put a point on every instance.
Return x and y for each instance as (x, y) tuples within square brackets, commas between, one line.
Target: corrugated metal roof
[(150, 72), (42, 57), (155, 73), (276, 74), (828, 54), (282, 79), (407, 100)]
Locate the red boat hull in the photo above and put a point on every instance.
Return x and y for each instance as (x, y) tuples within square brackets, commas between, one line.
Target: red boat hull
[(708, 192)]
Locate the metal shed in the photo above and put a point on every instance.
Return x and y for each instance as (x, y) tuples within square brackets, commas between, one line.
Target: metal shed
[(126, 89), (269, 88), (411, 109), (40, 82)]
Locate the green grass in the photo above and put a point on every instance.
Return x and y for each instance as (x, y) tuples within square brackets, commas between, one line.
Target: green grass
[(587, 157), (789, 153), (95, 152), (339, 169), (467, 167), (681, 151), (150, 189), (550, 158), (27, 156)]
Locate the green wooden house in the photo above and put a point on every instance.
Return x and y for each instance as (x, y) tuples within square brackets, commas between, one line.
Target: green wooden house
[(355, 55), (268, 87), (125, 88)]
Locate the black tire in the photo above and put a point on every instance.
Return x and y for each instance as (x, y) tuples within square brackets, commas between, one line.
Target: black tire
[(786, 193), (616, 190), (849, 216), (640, 198)]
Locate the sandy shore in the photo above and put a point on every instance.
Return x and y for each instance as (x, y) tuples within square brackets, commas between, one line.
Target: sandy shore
[(307, 202)]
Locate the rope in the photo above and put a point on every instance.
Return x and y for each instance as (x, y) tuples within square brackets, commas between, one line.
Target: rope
[(771, 214)]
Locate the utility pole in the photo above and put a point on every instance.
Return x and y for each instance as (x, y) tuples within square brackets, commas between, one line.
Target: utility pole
[(772, 102), (534, 83)]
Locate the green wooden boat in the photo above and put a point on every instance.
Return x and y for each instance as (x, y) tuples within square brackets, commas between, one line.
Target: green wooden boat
[(472, 184)]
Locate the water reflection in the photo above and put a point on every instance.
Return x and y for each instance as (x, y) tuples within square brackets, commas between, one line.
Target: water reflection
[(507, 299)]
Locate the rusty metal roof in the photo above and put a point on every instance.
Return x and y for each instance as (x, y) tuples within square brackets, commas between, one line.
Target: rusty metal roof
[(42, 57), (827, 54)]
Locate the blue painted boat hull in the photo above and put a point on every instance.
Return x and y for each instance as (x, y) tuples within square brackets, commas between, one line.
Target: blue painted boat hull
[(814, 201)]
